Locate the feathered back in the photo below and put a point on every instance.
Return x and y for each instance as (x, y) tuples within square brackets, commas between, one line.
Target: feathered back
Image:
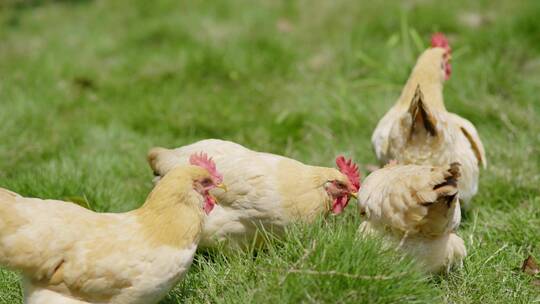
[(412, 199)]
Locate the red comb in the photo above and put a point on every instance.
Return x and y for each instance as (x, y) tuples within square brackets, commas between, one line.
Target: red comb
[(350, 169), (440, 40), (201, 159)]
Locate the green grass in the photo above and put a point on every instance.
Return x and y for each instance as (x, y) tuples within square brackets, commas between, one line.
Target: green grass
[(87, 87)]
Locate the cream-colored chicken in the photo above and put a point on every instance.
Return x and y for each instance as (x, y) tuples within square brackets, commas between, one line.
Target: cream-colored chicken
[(415, 208), (265, 191), (419, 130), (68, 254)]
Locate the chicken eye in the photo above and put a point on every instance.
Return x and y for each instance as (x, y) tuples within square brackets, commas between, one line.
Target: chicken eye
[(341, 185), (206, 182)]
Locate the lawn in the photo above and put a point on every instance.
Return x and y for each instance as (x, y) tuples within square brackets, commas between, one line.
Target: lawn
[(87, 87)]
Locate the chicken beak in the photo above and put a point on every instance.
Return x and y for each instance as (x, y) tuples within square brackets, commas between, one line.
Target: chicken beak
[(354, 194), (222, 186)]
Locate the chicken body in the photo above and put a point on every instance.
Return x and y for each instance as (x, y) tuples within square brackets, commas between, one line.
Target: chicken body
[(265, 191), (419, 130), (68, 254), (415, 208)]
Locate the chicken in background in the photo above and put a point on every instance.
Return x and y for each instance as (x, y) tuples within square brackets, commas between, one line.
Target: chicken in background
[(68, 254), (416, 209), (266, 192), (419, 130)]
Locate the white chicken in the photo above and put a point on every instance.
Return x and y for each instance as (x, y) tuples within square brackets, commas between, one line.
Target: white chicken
[(419, 130), (266, 192), (415, 208), (71, 255)]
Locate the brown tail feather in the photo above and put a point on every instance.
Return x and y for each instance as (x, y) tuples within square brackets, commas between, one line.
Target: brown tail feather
[(437, 218), (448, 189), (420, 113)]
